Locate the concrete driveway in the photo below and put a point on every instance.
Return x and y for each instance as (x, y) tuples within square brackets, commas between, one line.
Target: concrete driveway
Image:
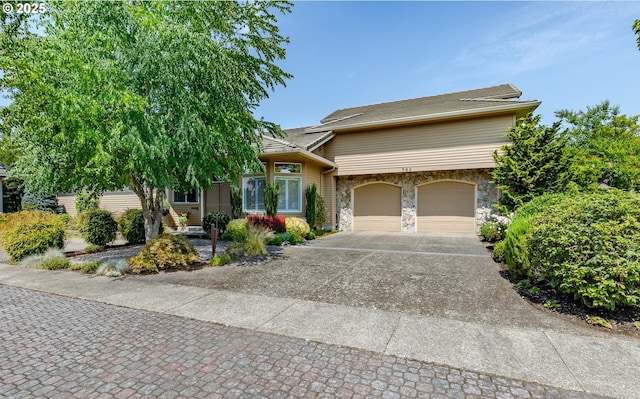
[(449, 276)]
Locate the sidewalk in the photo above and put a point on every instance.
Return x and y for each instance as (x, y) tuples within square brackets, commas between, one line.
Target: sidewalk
[(595, 364)]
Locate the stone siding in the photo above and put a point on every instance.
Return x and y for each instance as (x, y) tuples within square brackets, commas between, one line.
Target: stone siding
[(486, 193)]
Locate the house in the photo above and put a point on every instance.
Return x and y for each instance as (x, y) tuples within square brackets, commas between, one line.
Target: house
[(417, 165)]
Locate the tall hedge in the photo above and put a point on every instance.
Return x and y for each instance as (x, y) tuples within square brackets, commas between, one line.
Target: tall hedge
[(589, 246), (131, 226)]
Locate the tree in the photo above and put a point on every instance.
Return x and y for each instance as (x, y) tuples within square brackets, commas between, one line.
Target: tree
[(636, 30), (152, 95), (604, 146), (534, 164)]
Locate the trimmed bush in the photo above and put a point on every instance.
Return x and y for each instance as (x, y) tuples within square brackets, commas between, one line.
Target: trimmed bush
[(517, 252), (31, 232), (219, 219), (498, 251), (274, 223), (588, 246), (99, 227), (236, 230), (131, 226), (165, 251), (298, 229)]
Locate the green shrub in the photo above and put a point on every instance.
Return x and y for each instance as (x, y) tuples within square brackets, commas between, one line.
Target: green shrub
[(165, 251), (3, 217), (298, 229), (220, 260), (321, 211), (55, 263), (271, 197), (87, 201), (311, 236), (588, 246), (237, 230), (131, 226), (236, 202), (279, 239), (31, 232), (86, 267), (219, 219), (499, 251), (517, 253), (311, 196), (516, 248), (100, 227)]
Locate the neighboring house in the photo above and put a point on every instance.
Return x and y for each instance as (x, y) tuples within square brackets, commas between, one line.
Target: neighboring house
[(420, 165)]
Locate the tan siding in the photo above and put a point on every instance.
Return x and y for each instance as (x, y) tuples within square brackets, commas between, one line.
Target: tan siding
[(115, 202), (466, 144), (69, 203), (118, 202)]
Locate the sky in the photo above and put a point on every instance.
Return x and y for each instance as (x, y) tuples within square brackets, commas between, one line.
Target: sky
[(569, 55)]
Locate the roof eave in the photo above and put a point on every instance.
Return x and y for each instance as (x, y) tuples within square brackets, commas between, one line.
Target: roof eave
[(528, 106), (306, 154)]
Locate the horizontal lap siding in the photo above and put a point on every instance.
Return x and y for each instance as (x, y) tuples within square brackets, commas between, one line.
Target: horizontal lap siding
[(443, 146), (115, 202)]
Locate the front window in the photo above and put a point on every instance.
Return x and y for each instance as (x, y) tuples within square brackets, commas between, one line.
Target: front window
[(189, 197), (253, 194), (290, 194)]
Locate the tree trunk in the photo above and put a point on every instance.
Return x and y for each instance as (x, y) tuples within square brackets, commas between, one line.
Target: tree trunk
[(151, 201)]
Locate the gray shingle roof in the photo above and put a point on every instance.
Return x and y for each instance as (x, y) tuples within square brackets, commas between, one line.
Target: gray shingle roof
[(486, 98)]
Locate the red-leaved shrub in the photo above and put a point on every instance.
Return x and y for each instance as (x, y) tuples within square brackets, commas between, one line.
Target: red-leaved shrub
[(273, 223)]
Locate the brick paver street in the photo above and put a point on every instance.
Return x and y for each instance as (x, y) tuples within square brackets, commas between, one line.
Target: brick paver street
[(57, 347)]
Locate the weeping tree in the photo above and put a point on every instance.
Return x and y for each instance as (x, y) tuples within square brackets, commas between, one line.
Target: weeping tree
[(150, 95)]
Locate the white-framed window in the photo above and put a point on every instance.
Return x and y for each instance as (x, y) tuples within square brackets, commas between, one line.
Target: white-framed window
[(253, 194), (190, 197), (287, 167), (290, 194)]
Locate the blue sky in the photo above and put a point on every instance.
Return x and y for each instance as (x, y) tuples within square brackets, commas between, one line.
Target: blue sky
[(568, 55)]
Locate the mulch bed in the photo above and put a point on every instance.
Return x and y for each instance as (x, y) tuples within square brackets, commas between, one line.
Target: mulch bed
[(622, 320)]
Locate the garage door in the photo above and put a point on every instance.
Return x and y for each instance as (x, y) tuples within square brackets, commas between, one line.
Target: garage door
[(446, 207), (377, 207)]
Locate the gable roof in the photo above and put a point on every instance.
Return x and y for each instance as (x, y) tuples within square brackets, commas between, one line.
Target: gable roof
[(272, 145), (463, 103)]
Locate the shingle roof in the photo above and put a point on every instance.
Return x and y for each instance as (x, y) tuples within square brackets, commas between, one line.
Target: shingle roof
[(502, 96)]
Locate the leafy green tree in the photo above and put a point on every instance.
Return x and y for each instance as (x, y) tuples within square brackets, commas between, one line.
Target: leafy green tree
[(604, 146), (534, 164), (150, 95), (636, 29)]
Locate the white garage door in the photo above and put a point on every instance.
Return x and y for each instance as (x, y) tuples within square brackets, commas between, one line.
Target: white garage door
[(377, 207), (446, 207)]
